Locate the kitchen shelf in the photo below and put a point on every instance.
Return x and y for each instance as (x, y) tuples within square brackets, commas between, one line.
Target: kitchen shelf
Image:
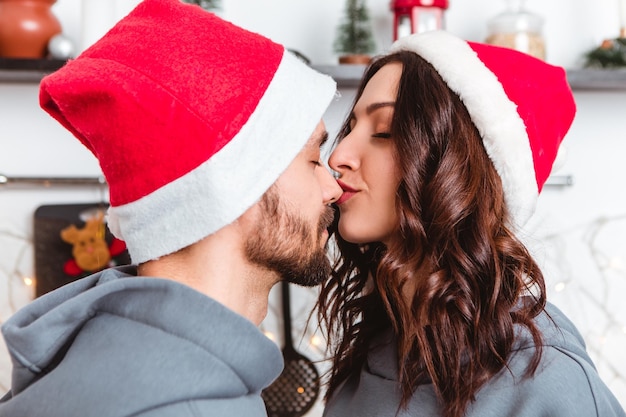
[(347, 76), (22, 70), (597, 79)]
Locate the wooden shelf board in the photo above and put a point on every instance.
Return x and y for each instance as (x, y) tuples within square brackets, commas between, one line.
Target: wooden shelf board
[(27, 70), (347, 76)]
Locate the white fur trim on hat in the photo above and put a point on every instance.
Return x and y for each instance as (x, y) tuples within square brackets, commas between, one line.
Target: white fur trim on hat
[(225, 186), (502, 129)]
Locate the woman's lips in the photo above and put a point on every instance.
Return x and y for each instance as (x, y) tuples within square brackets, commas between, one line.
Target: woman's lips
[(348, 192), (345, 197)]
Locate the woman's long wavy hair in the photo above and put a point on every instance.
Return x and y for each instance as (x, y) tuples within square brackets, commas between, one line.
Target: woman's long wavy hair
[(455, 256)]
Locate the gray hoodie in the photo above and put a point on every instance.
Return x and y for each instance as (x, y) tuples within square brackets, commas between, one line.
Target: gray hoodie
[(566, 383), (113, 344)]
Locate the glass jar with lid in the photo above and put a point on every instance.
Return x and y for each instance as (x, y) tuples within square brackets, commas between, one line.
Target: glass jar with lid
[(519, 29)]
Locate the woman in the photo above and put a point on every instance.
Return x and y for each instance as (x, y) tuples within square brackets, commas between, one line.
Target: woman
[(436, 308)]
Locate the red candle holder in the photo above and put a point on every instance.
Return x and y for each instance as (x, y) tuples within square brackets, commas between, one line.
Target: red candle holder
[(415, 16)]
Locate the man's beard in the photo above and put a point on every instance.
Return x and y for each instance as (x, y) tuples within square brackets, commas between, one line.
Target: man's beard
[(284, 242)]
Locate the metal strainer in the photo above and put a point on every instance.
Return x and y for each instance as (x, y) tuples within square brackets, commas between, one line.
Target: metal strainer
[(297, 387)]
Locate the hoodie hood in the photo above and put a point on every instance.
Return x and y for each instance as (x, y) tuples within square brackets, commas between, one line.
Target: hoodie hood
[(557, 332), (169, 340), (565, 384)]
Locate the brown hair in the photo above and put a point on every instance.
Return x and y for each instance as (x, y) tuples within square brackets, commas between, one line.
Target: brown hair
[(457, 331)]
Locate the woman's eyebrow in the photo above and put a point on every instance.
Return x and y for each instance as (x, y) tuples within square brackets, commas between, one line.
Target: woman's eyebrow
[(375, 106)]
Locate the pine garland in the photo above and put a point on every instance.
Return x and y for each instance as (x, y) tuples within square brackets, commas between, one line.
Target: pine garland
[(354, 34), (611, 54)]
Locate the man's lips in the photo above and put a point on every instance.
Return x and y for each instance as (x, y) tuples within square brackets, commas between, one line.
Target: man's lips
[(348, 192)]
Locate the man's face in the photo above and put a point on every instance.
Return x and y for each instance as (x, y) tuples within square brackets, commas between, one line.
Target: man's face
[(294, 214)]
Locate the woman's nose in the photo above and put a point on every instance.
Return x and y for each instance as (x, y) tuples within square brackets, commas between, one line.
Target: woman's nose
[(344, 156)]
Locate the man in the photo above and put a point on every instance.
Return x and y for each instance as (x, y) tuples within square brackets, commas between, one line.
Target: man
[(209, 137)]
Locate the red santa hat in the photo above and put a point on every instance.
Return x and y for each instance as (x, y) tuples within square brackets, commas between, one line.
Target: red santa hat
[(522, 107), (191, 118)]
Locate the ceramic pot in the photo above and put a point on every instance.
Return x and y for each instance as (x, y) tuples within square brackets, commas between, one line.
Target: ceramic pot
[(26, 27), (355, 59)]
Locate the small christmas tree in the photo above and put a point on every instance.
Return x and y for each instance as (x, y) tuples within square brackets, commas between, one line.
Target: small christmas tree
[(354, 34), (611, 54), (205, 4)]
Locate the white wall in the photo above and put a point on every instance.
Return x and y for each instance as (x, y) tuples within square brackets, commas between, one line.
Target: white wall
[(577, 233)]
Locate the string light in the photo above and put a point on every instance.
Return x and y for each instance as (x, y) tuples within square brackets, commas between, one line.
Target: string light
[(575, 292), (14, 270), (616, 264), (588, 293), (584, 292), (17, 295), (316, 341)]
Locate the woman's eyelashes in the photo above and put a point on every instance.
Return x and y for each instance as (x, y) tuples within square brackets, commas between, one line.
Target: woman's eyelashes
[(381, 131), (382, 135)]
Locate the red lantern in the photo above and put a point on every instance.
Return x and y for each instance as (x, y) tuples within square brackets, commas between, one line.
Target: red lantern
[(415, 16)]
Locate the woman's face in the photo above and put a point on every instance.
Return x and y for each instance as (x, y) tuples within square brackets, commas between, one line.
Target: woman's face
[(366, 164)]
